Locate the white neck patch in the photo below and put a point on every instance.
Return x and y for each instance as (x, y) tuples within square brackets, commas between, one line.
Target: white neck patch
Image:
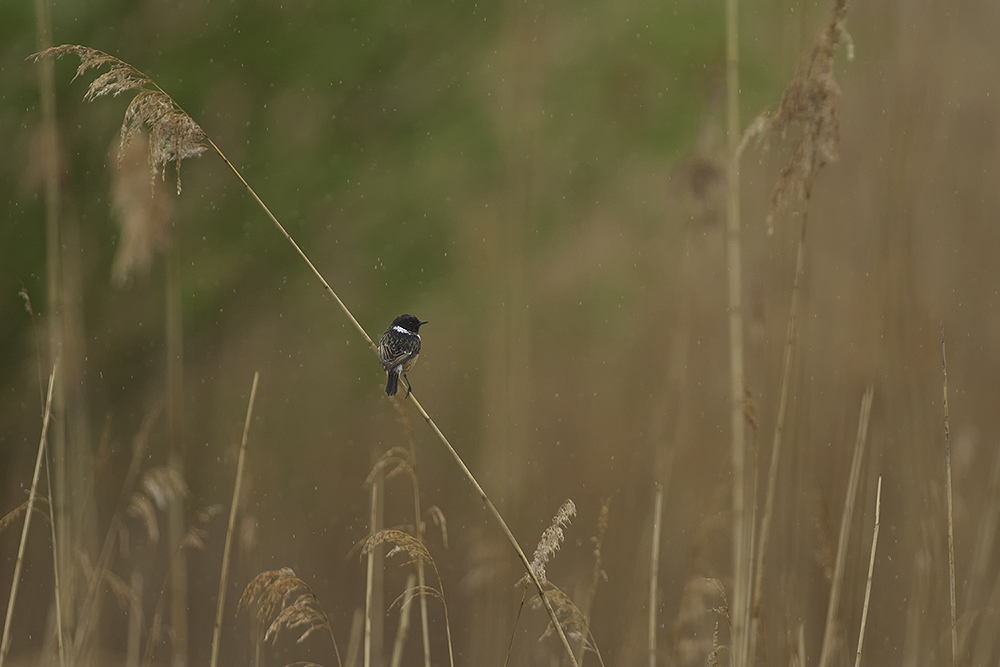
[(405, 331)]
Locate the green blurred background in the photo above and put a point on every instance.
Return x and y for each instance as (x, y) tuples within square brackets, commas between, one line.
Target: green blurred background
[(544, 183)]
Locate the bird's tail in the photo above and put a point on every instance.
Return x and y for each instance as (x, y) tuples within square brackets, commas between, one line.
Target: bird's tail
[(392, 384)]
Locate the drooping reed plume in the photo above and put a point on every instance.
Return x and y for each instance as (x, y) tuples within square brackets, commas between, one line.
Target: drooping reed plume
[(280, 604), (415, 552), (173, 134)]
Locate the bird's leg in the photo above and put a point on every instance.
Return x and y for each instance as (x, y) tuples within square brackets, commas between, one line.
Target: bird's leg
[(409, 387)]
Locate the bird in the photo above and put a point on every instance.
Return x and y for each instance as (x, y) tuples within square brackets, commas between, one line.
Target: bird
[(398, 349)]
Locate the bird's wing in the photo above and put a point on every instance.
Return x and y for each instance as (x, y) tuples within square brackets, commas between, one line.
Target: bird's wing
[(391, 356)]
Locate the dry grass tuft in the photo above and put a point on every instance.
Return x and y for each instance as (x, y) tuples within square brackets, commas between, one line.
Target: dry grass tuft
[(572, 621), (569, 615), (404, 544), (279, 602), (173, 135), (551, 541), (417, 554), (809, 106)]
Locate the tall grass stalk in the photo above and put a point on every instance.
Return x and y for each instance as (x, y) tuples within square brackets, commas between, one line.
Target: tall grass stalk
[(871, 568), (837, 581), (404, 622), (60, 632), (654, 572), (53, 282), (227, 551), (8, 620), (948, 492), (779, 427), (374, 573), (742, 558), (419, 525), (57, 592)]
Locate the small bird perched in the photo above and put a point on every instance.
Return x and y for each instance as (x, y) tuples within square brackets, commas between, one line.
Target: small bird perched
[(398, 348)]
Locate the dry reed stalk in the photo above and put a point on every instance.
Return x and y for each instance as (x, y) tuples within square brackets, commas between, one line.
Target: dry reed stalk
[(174, 137), (8, 620), (416, 551), (513, 632), (811, 101), (227, 550), (948, 491), (376, 486), (837, 581), (53, 278), (779, 429), (60, 632), (871, 568), (279, 603), (742, 558), (419, 524), (404, 622), (503, 525), (654, 573)]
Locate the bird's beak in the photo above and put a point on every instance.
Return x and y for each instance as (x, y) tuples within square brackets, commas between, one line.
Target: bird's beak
[(423, 323)]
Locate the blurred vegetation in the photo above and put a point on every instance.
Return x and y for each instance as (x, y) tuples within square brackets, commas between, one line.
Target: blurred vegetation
[(543, 183)]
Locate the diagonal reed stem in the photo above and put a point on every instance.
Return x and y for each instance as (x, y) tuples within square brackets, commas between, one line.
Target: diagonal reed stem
[(437, 431), (350, 316), (503, 524)]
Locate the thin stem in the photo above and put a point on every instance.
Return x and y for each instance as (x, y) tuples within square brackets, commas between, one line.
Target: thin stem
[(420, 530), (871, 568), (305, 258), (742, 560), (55, 560), (948, 489), (503, 524), (5, 642), (224, 577), (458, 459), (845, 528), (779, 429), (654, 572), (404, 622), (370, 574)]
